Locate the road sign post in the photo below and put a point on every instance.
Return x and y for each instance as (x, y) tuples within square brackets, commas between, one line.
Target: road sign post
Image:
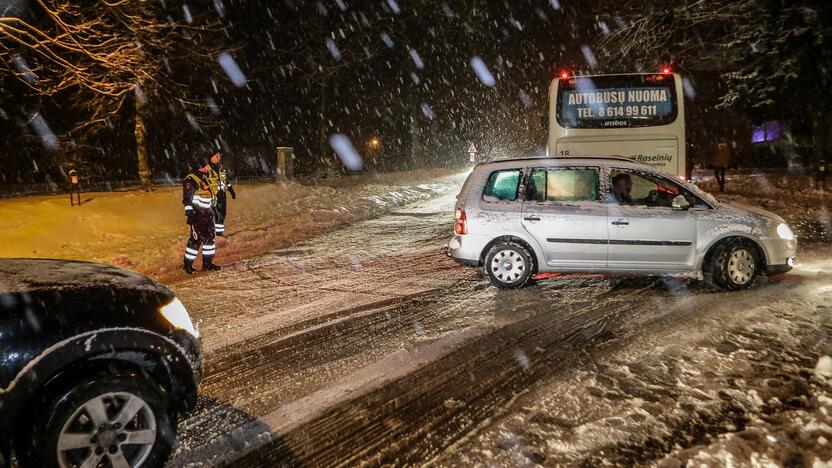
[(472, 153), (285, 163)]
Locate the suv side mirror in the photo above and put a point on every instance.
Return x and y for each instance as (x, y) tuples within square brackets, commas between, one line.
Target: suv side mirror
[(680, 203), (544, 122)]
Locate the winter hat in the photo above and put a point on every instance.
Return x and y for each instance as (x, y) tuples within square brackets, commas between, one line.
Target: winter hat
[(199, 163)]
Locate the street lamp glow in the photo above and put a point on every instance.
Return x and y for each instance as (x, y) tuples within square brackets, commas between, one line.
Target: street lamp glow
[(374, 142)]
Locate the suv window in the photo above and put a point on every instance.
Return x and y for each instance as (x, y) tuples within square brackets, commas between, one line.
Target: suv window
[(502, 185), (563, 185), (642, 189)]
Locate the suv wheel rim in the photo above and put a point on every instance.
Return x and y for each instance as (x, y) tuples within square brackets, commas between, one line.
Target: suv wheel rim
[(508, 266), (741, 266), (119, 427)]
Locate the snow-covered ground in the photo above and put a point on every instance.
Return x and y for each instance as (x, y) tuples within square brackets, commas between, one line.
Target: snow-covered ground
[(366, 345), (709, 379), (146, 231)]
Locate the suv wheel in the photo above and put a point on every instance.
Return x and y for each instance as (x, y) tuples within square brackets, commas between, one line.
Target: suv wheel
[(734, 265), (508, 265), (117, 421)]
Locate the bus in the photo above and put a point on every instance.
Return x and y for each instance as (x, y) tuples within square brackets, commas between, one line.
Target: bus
[(640, 116)]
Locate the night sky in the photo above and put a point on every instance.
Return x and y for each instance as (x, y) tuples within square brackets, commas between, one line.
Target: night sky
[(400, 71)]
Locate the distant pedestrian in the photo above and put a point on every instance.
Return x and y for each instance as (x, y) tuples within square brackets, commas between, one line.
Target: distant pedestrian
[(722, 160), (820, 175), (199, 200), (74, 187), (690, 161), (220, 181)]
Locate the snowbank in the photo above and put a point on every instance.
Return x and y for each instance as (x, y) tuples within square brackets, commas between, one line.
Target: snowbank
[(146, 231)]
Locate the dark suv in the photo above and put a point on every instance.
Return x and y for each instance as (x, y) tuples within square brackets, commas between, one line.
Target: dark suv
[(96, 364)]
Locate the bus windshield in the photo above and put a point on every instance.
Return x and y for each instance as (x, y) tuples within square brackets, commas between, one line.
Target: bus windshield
[(616, 101)]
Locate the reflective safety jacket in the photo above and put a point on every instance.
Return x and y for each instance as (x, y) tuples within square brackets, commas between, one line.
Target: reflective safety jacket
[(197, 192), (219, 178)]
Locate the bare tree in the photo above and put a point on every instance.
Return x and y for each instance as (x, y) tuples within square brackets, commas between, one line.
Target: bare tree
[(689, 33), (772, 55), (108, 57)]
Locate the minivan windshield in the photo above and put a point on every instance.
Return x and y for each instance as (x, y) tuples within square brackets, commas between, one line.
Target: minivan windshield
[(701, 193)]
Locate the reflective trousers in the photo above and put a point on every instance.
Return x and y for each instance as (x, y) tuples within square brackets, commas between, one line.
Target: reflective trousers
[(201, 235), (219, 211)]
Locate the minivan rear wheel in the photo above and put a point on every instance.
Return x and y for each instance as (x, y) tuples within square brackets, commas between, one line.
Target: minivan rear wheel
[(734, 265), (508, 265)]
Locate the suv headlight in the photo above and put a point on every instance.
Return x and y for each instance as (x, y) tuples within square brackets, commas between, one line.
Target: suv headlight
[(176, 314), (785, 232)]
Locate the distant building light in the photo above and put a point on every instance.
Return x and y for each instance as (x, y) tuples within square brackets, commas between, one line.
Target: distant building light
[(768, 131), (758, 135)]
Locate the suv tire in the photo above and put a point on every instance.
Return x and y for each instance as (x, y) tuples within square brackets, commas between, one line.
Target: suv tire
[(69, 414), (734, 265), (508, 265)]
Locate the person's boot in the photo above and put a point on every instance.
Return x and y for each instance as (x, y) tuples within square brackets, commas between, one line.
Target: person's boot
[(188, 267), (208, 265)]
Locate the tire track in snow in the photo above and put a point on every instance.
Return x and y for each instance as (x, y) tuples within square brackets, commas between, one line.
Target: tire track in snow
[(648, 331), (419, 416), (415, 417), (263, 373)]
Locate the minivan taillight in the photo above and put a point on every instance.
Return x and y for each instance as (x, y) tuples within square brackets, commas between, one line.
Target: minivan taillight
[(460, 222)]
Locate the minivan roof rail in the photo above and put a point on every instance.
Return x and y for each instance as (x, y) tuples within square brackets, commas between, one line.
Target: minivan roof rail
[(538, 158)]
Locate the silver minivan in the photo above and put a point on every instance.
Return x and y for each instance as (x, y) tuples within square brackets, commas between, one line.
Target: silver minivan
[(519, 217)]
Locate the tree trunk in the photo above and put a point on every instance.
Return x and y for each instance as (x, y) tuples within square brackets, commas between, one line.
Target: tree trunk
[(323, 141), (820, 143), (141, 143)]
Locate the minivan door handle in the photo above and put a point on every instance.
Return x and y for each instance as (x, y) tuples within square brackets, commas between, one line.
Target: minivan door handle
[(620, 222), (532, 218)]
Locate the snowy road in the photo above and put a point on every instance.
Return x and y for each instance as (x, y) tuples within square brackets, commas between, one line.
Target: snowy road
[(367, 345)]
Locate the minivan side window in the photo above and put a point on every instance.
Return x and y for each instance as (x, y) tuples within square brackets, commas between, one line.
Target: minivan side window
[(502, 185), (563, 185), (635, 188)]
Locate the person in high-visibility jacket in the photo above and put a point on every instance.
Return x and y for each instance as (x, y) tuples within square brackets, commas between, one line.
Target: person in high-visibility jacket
[(199, 199), (221, 183)]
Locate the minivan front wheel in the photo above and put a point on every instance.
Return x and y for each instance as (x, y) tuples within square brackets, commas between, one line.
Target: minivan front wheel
[(508, 265), (735, 265)]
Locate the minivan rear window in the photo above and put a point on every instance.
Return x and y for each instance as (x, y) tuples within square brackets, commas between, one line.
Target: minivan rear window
[(502, 185)]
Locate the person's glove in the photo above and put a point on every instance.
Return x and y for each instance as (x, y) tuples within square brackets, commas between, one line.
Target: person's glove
[(231, 191), (190, 215)]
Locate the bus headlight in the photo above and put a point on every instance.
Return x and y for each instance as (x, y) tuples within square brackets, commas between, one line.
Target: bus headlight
[(176, 314), (785, 232)]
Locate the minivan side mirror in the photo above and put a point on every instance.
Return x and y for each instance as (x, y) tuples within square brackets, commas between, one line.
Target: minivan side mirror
[(680, 203), (544, 122)]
